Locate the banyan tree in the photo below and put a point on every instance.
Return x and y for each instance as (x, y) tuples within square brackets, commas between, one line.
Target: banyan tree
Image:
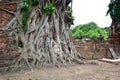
[(41, 30)]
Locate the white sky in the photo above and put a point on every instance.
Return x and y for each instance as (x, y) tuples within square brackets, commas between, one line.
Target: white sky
[(91, 10)]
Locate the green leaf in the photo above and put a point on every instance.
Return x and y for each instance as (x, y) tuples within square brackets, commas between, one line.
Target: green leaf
[(49, 9), (90, 30)]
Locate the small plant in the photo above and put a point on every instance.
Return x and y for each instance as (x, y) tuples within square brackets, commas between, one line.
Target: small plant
[(49, 9), (26, 8)]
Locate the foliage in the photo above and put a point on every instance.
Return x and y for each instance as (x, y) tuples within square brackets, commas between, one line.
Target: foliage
[(69, 10), (90, 30), (26, 7), (114, 10), (49, 9)]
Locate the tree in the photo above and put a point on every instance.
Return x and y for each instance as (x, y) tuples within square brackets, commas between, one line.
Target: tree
[(89, 30), (114, 11), (41, 29)]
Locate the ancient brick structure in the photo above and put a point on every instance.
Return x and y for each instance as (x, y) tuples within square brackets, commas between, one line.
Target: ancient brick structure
[(5, 17)]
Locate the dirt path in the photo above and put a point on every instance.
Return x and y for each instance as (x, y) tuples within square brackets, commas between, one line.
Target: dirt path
[(102, 71)]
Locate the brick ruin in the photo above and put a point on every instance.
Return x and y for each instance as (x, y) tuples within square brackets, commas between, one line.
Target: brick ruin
[(81, 47), (5, 17)]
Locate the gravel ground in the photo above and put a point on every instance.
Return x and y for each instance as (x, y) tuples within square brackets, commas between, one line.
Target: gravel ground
[(102, 71)]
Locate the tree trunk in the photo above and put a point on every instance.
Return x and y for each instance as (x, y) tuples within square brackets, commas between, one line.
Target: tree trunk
[(46, 40)]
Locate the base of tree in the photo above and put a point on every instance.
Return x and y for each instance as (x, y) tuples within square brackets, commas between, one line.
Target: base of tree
[(46, 40)]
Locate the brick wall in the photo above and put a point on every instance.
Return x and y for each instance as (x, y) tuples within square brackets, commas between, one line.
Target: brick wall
[(96, 50), (5, 17)]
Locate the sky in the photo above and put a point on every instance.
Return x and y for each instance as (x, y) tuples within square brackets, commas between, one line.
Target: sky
[(86, 11)]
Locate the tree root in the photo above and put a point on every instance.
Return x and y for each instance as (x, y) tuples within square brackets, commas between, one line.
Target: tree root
[(13, 13), (47, 39)]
